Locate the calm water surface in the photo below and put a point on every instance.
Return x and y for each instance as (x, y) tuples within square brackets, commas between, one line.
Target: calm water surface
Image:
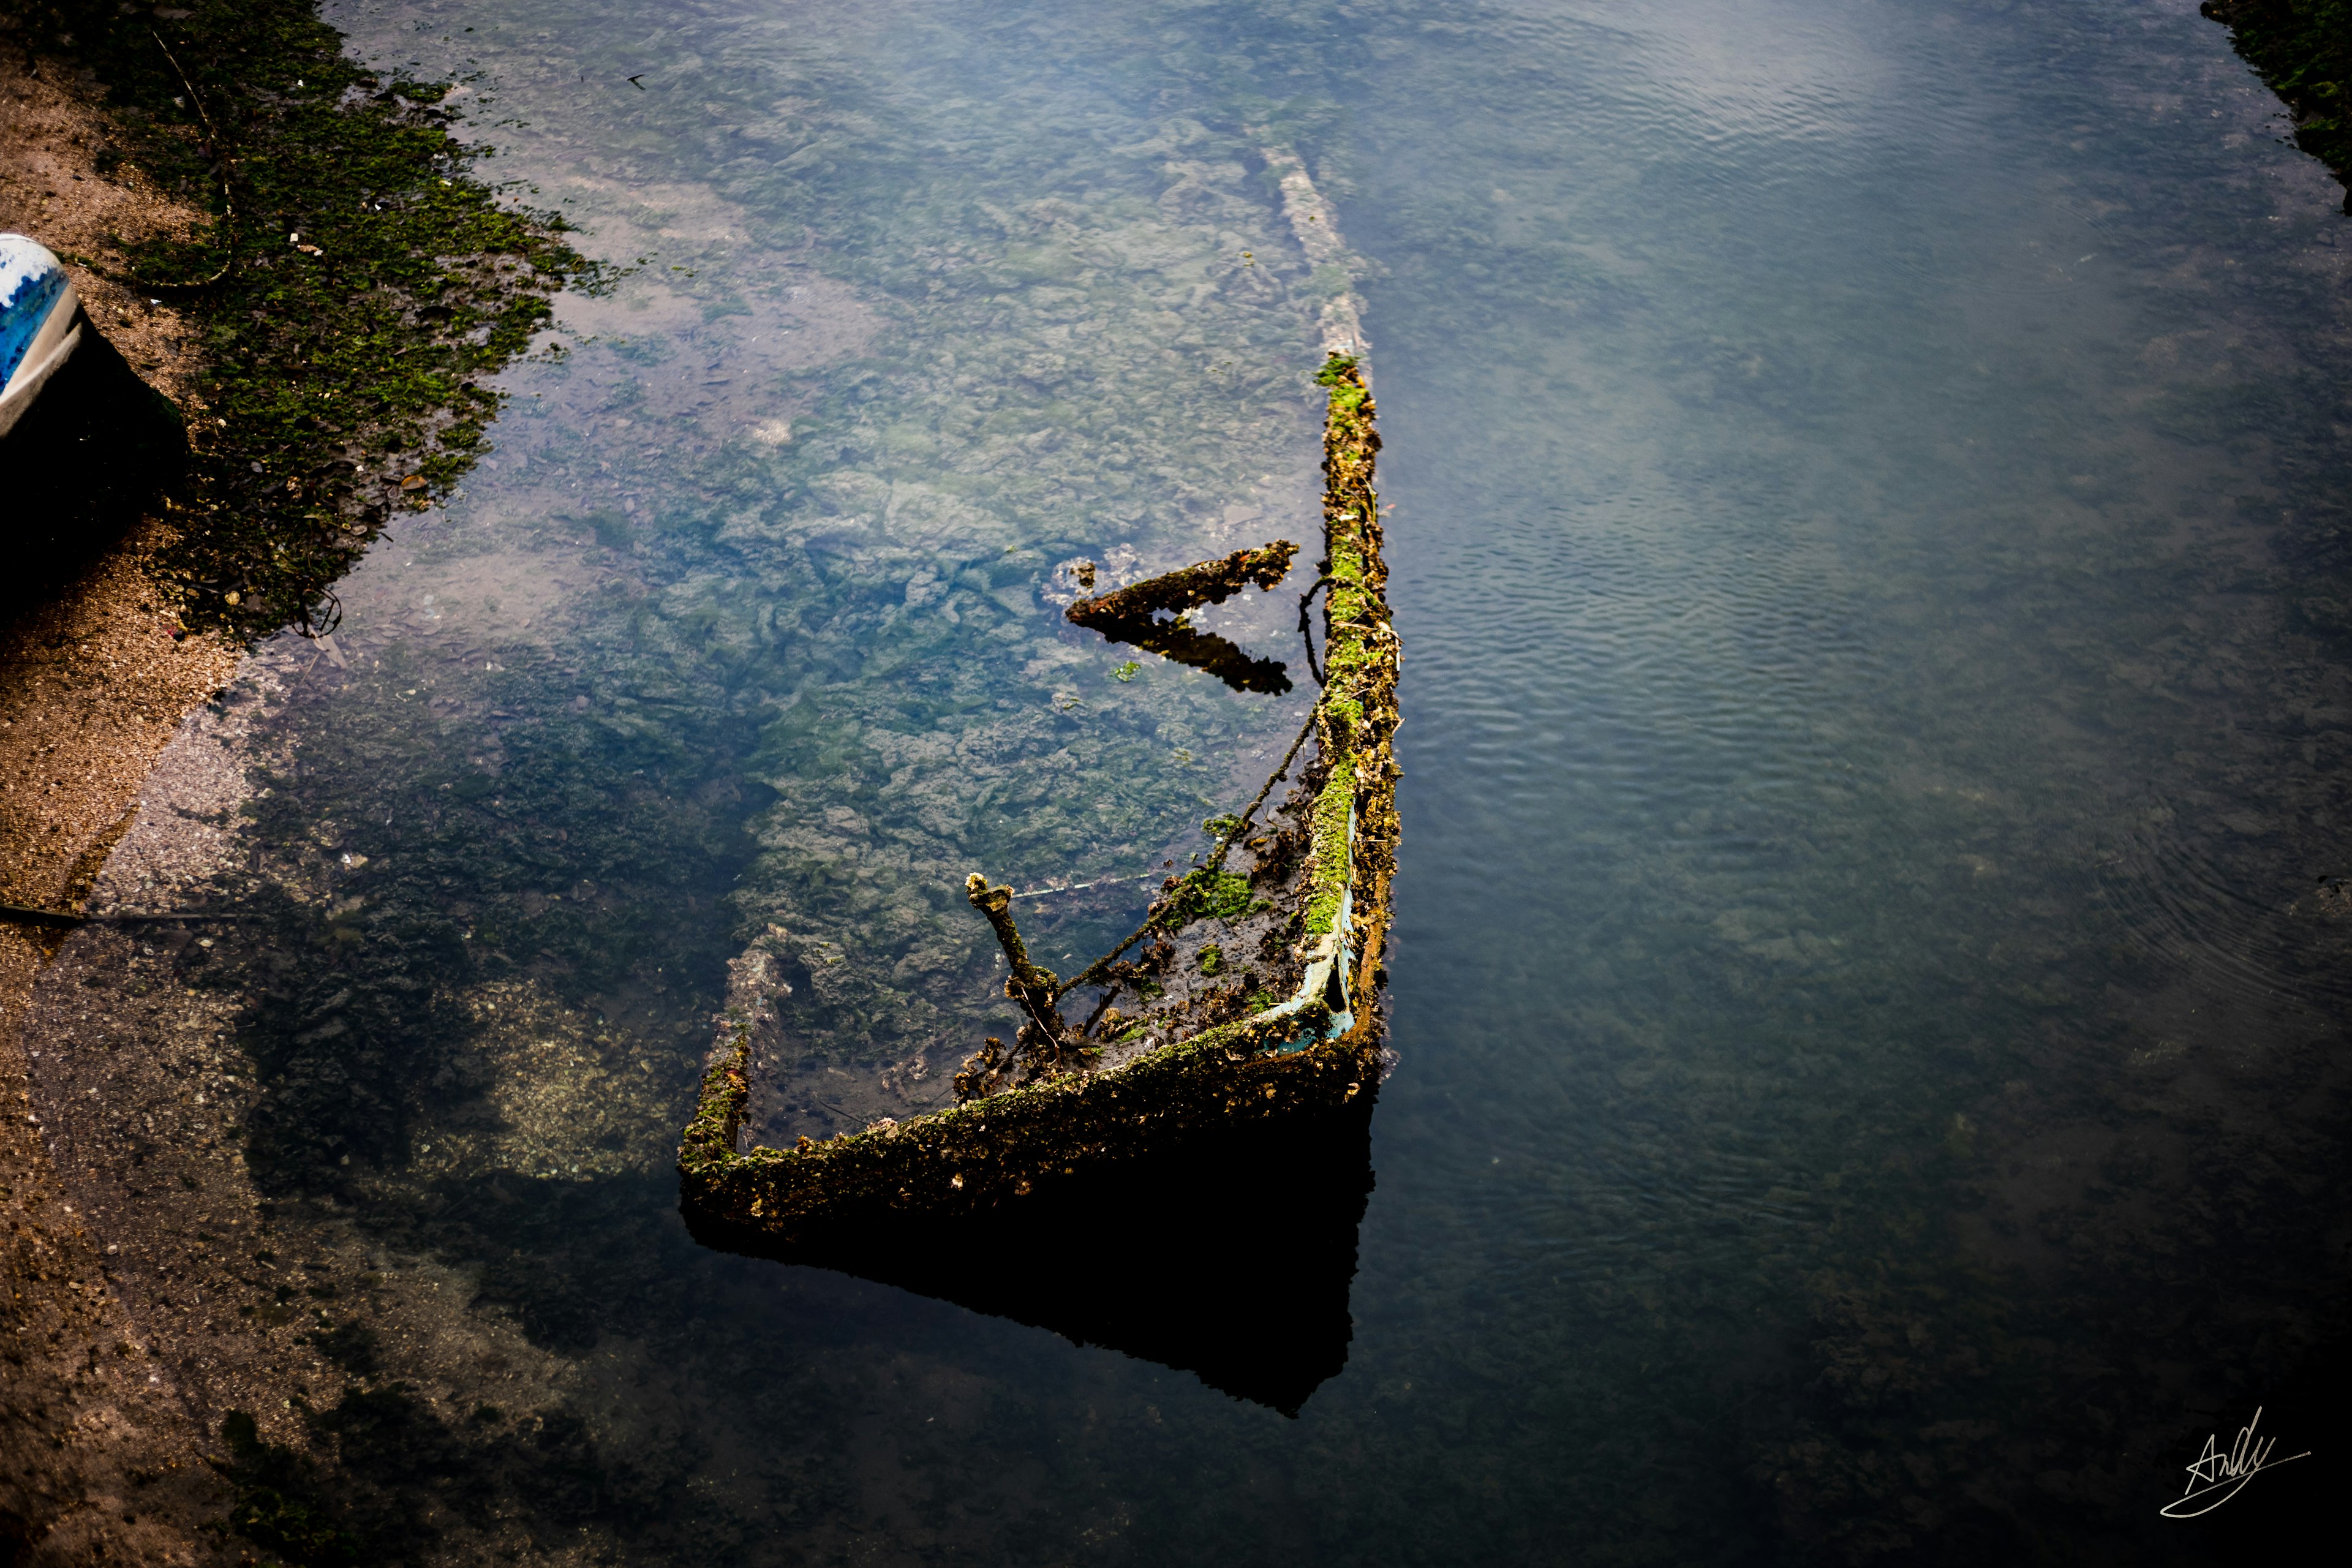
[(1871, 958)]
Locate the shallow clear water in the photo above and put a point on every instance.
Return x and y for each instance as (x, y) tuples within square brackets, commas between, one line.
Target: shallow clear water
[(1868, 984)]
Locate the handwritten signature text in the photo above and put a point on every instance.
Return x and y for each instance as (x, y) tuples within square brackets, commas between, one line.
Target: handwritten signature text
[(2216, 1476)]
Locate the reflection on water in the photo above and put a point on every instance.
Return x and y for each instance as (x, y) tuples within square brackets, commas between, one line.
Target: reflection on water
[(1232, 1259), (1872, 939)]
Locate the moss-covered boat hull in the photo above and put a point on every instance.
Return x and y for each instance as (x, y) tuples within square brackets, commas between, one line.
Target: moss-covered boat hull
[(1264, 1113), (1220, 1244)]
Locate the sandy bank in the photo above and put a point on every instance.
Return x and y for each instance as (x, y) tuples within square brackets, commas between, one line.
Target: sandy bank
[(98, 1462)]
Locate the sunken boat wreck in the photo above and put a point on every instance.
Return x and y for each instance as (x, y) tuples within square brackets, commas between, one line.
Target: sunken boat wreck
[(1162, 1161)]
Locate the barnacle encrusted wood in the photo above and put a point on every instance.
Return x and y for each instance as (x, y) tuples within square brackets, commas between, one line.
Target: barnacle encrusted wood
[(1131, 615), (1072, 1101), (1208, 583)]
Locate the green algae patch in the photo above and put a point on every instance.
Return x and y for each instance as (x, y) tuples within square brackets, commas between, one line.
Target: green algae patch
[(1334, 820), (1075, 1098), (357, 285), (1205, 894)]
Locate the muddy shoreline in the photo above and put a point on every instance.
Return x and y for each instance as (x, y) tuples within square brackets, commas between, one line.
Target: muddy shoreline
[(99, 1461), (109, 1452)]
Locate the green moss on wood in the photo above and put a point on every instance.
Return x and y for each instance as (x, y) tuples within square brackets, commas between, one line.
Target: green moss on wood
[(1334, 811), (1208, 894)]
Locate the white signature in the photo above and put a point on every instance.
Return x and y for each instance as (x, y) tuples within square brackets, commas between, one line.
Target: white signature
[(2216, 1476)]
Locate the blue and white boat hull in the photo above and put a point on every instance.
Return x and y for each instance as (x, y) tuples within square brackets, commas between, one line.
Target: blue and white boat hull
[(39, 324), (85, 444)]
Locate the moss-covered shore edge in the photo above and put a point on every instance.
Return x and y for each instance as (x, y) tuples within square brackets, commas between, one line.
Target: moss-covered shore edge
[(2303, 51), (355, 286), (1314, 1056)]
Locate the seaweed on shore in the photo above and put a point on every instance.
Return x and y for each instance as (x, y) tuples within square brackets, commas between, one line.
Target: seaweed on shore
[(357, 285), (2302, 49)]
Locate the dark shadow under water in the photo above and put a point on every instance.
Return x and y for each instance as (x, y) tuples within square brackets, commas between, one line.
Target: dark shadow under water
[(1231, 1260), (80, 466), (1180, 644)]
